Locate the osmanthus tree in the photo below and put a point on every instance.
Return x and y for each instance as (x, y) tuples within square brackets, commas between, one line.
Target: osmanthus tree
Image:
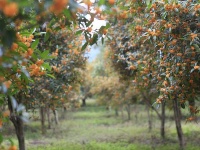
[(114, 93), (22, 59), (122, 51), (66, 61), (126, 72), (109, 88), (86, 82), (162, 48)]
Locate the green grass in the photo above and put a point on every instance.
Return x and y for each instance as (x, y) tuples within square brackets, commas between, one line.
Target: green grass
[(95, 128), (94, 146)]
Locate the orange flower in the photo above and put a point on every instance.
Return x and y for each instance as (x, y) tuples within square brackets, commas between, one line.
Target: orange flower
[(13, 147), (11, 9), (158, 101), (58, 6), (196, 67), (63, 62), (168, 7), (39, 62), (139, 28), (88, 3), (98, 10), (6, 113), (89, 29), (7, 84), (168, 25), (111, 2), (172, 51), (30, 51), (1, 123), (54, 54), (76, 52), (179, 54), (193, 36), (70, 46), (33, 66), (104, 31), (190, 119), (14, 46), (2, 78), (132, 67), (2, 4), (70, 88), (42, 73)]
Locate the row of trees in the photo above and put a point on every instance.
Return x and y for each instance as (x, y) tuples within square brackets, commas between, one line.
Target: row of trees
[(42, 55), (156, 46)]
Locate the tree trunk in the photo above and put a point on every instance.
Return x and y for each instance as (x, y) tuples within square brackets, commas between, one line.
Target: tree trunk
[(149, 118), (122, 111), (19, 126), (48, 118), (162, 129), (64, 112), (128, 109), (136, 113), (83, 102), (55, 113), (42, 114), (116, 112), (178, 124)]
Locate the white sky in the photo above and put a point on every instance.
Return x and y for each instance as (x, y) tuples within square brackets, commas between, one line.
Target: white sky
[(95, 25)]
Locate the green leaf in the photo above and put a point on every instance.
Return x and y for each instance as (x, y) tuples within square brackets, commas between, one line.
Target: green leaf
[(102, 40), (35, 44), (196, 47), (11, 141), (47, 66), (79, 32), (20, 44), (1, 100), (8, 37), (101, 2), (25, 33), (107, 25), (13, 92), (94, 39), (67, 13), (47, 35), (24, 77), (84, 46), (51, 23), (38, 51), (109, 37), (49, 75), (24, 3), (34, 56), (88, 23), (33, 30), (2, 24), (149, 6), (1, 138), (45, 54)]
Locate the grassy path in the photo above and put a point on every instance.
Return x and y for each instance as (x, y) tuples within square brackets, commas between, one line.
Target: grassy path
[(94, 128)]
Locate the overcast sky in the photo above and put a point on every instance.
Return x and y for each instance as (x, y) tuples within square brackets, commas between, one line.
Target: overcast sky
[(95, 48), (93, 52)]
